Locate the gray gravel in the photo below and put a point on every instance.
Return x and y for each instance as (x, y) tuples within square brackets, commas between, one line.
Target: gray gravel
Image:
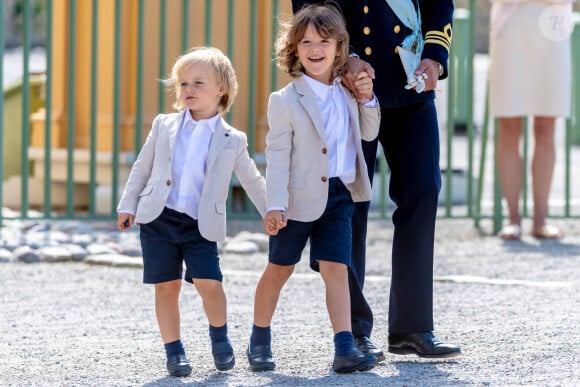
[(513, 307)]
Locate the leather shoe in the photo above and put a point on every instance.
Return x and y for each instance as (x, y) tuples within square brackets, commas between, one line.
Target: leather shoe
[(353, 361), (260, 358), (223, 355), (423, 344), (178, 365), (366, 346)]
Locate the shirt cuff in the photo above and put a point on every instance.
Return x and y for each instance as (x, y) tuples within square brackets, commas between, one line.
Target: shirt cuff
[(372, 103)]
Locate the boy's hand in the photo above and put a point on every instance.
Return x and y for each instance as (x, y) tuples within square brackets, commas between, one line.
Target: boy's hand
[(125, 221), (355, 66), (274, 221), (364, 87)]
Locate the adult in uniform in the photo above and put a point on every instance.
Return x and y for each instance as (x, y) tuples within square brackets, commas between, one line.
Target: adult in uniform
[(409, 136)]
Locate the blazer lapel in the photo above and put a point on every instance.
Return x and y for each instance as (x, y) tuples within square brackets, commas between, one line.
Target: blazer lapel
[(218, 141), (352, 105), (308, 101)]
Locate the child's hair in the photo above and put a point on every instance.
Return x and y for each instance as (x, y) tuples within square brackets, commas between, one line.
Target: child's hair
[(217, 62), (328, 22)]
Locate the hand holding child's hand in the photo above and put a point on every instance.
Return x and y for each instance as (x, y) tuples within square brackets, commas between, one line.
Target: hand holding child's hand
[(364, 87), (125, 221), (274, 221)]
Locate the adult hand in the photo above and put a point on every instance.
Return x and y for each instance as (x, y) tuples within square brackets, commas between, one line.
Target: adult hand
[(353, 68), (431, 68)]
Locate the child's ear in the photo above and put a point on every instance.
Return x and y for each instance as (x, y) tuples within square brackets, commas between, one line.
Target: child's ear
[(221, 91)]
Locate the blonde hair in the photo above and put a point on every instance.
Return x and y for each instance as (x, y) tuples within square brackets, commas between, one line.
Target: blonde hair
[(217, 62), (328, 22)]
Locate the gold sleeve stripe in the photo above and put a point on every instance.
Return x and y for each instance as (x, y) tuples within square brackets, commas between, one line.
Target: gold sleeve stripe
[(438, 40), (438, 34)]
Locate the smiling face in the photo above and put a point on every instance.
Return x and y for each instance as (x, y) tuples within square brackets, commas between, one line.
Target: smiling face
[(317, 55), (199, 91)]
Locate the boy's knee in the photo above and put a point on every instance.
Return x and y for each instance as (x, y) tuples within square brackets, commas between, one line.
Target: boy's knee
[(278, 272)]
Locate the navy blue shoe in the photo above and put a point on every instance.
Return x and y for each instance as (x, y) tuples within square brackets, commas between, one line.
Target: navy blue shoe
[(353, 361), (178, 365), (366, 346), (223, 355), (260, 358)]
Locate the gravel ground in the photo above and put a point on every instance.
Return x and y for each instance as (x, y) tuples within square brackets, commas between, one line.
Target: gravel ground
[(513, 307)]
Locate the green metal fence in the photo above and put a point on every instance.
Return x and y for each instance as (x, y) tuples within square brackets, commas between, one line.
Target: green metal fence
[(460, 109)]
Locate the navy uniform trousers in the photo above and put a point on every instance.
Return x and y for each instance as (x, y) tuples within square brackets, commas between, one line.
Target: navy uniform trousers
[(410, 140), (409, 137)]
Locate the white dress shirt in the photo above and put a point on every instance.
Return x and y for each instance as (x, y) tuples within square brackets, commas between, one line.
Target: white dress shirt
[(331, 102), (189, 163)]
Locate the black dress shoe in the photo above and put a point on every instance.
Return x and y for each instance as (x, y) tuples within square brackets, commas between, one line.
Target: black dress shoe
[(178, 365), (223, 355), (366, 346), (423, 344), (354, 361), (260, 358)]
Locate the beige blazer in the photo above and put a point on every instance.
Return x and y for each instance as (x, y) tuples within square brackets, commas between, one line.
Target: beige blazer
[(296, 154), (149, 182)]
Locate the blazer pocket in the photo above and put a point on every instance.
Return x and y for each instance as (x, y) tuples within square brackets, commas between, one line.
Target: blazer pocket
[(220, 208), (146, 191)]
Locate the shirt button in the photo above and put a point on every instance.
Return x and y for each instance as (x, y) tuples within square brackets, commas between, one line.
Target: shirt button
[(397, 29), (366, 31), (368, 51), (323, 151), (168, 182), (323, 178), (366, 9)]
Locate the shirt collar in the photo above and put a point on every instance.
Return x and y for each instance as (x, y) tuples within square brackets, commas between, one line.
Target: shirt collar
[(320, 89), (210, 123)]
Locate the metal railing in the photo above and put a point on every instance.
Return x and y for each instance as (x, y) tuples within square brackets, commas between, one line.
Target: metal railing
[(460, 94)]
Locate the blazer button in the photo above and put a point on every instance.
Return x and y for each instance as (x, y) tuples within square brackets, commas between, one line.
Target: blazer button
[(396, 50), (366, 31), (368, 51), (323, 178), (168, 182), (366, 9), (397, 29), (324, 151)]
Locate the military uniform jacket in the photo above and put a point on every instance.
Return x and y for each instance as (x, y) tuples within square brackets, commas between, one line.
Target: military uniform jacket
[(375, 32)]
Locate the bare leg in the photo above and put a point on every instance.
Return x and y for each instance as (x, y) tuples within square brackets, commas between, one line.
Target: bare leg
[(542, 167), (268, 292), (335, 276), (167, 310), (510, 164), (214, 300)]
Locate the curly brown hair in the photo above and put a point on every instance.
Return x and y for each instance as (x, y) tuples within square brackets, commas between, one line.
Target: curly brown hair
[(328, 22)]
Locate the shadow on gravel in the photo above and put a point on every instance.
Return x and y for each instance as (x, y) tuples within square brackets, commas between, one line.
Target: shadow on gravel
[(409, 373), (549, 248)]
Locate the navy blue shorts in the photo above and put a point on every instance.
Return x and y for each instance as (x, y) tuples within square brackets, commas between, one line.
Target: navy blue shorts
[(330, 235), (170, 240)]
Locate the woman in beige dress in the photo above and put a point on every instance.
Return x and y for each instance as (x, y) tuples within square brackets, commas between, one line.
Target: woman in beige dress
[(530, 76)]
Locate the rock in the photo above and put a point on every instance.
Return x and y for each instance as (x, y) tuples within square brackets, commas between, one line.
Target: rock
[(55, 254), (26, 254), (6, 256)]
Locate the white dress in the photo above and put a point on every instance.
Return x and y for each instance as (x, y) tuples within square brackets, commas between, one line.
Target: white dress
[(530, 58)]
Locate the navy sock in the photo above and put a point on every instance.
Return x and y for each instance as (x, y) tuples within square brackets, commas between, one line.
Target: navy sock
[(174, 348), (218, 334), (343, 343), (260, 336)]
